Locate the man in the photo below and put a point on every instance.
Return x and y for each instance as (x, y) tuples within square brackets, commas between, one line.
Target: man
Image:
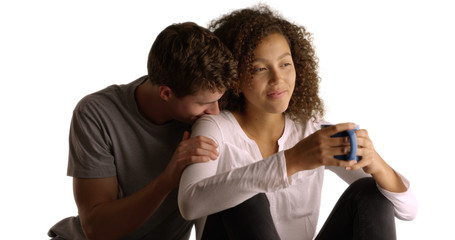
[(126, 146)]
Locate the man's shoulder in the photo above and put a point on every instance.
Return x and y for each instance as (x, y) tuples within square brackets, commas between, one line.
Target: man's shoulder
[(110, 95), (96, 100)]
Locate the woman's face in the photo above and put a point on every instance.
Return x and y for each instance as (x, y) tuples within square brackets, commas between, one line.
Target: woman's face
[(273, 81)]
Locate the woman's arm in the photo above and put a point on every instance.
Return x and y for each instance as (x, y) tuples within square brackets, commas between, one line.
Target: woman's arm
[(392, 185), (203, 190), (201, 197), (373, 164)]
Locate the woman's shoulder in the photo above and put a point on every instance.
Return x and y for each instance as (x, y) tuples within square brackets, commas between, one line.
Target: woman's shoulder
[(223, 118), (219, 127), (222, 121)]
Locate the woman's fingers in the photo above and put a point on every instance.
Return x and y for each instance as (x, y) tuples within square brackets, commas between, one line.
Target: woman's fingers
[(334, 129)]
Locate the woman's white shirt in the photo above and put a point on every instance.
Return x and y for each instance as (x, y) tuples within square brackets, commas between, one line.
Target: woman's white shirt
[(239, 173)]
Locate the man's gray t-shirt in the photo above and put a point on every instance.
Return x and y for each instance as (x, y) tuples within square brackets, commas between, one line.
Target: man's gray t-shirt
[(109, 137)]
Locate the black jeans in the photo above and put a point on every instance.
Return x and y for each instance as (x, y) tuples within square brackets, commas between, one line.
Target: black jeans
[(248, 220), (362, 212)]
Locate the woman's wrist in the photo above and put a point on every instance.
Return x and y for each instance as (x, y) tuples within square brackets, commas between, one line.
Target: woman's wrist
[(290, 162)]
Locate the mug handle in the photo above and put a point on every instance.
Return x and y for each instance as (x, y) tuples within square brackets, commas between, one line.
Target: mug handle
[(352, 140)]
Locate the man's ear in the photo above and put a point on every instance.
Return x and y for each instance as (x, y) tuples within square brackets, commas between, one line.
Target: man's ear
[(165, 92)]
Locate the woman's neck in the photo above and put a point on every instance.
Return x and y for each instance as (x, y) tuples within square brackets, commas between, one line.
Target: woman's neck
[(265, 130), (263, 127)]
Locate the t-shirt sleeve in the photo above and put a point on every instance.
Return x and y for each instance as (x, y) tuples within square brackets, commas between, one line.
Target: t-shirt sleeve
[(89, 144), (204, 191)]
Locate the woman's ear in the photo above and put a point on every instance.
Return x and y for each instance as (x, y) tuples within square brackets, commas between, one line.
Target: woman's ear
[(165, 92)]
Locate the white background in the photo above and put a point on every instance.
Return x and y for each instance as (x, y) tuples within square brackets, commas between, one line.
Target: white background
[(386, 65)]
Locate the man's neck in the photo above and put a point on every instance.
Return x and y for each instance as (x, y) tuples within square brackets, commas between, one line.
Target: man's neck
[(150, 105)]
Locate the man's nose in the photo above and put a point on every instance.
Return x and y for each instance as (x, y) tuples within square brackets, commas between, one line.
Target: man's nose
[(213, 109)]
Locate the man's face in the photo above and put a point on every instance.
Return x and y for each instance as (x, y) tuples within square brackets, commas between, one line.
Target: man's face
[(189, 108)]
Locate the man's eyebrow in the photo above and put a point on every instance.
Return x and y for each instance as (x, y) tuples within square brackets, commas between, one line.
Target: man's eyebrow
[(210, 102)]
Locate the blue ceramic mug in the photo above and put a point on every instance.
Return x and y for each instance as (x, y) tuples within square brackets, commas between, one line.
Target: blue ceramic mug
[(353, 141)]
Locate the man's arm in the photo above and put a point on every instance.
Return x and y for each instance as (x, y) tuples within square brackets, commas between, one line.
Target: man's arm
[(103, 216)]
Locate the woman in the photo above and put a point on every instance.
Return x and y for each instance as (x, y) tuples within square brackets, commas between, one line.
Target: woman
[(270, 141)]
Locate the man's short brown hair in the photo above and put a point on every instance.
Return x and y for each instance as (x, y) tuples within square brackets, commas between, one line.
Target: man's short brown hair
[(187, 58)]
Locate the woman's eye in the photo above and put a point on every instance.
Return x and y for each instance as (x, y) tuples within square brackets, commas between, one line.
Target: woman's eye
[(286, 64), (259, 69)]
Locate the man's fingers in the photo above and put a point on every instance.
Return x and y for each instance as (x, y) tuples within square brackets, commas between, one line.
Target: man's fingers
[(210, 152), (206, 140), (201, 143), (198, 146), (196, 159), (198, 139), (186, 135)]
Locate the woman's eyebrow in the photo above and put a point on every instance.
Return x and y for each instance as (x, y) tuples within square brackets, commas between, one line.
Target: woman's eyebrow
[(286, 54)]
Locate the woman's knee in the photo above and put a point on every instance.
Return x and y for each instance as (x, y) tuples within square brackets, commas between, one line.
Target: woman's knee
[(249, 220), (259, 202), (365, 192)]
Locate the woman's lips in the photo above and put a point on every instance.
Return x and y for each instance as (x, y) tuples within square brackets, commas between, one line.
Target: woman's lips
[(276, 94)]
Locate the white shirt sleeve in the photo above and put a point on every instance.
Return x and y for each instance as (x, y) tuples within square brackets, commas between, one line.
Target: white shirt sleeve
[(405, 203), (204, 191), (197, 195)]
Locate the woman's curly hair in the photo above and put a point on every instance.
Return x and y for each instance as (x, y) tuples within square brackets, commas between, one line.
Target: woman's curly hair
[(242, 31)]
